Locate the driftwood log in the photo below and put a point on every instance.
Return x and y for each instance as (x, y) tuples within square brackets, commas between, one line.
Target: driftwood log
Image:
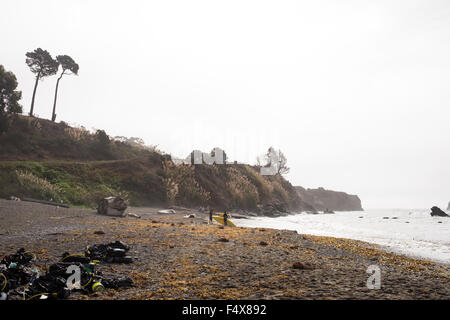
[(112, 206), (51, 203)]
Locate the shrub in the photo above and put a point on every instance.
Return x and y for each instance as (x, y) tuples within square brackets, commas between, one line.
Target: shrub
[(38, 187)]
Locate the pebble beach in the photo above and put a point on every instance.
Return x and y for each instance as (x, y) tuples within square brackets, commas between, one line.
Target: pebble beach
[(175, 257)]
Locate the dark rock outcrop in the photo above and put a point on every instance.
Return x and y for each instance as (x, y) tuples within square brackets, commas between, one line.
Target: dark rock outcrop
[(272, 210), (435, 211), (328, 200)]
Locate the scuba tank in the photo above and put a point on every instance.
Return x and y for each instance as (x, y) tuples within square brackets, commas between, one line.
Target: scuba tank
[(3, 282), (97, 287), (35, 274)]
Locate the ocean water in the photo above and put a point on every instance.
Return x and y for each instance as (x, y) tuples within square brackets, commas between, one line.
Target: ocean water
[(410, 232)]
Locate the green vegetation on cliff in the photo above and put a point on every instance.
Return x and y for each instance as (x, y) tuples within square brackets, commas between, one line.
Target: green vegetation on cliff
[(53, 161), (84, 183)]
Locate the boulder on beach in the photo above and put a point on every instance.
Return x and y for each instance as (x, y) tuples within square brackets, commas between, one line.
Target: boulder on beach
[(435, 211), (179, 208), (112, 206), (167, 211), (134, 215)]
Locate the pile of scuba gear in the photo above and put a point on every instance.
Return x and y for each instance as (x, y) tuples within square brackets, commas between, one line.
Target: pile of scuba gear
[(114, 252), (74, 273), (15, 271)]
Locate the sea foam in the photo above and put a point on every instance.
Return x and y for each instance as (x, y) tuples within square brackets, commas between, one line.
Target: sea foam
[(410, 232)]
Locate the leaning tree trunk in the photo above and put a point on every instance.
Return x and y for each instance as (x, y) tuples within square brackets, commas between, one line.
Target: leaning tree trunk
[(34, 94), (56, 96)]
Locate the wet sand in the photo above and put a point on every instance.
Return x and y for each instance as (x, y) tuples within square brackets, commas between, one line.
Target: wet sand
[(185, 258)]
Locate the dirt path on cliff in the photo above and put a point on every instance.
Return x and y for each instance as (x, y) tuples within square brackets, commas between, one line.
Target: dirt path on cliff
[(184, 258)]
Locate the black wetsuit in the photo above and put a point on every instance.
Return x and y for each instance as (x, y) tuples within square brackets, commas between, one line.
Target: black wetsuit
[(225, 218), (210, 215)]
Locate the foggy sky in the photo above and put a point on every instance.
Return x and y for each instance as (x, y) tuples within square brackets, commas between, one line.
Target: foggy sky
[(355, 93)]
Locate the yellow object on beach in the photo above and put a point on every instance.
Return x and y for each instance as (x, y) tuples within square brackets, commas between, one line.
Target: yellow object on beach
[(221, 214), (219, 219)]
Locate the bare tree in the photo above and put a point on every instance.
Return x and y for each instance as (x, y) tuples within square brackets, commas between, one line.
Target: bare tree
[(282, 161), (277, 161), (258, 161)]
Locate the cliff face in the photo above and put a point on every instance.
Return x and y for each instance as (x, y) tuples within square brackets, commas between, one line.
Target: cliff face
[(151, 181), (45, 160), (322, 199), (237, 186)]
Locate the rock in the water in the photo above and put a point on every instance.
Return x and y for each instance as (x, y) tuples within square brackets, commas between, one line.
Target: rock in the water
[(112, 206), (435, 211)]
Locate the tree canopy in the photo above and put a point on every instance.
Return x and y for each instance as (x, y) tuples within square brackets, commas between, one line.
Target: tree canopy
[(41, 63), (67, 63), (9, 98)]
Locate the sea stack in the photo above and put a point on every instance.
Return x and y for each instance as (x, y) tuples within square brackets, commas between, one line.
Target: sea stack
[(435, 211), (448, 207)]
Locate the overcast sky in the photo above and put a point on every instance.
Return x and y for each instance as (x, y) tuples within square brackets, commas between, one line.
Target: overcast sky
[(355, 93)]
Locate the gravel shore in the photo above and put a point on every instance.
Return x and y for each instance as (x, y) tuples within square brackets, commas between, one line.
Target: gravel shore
[(185, 258)]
